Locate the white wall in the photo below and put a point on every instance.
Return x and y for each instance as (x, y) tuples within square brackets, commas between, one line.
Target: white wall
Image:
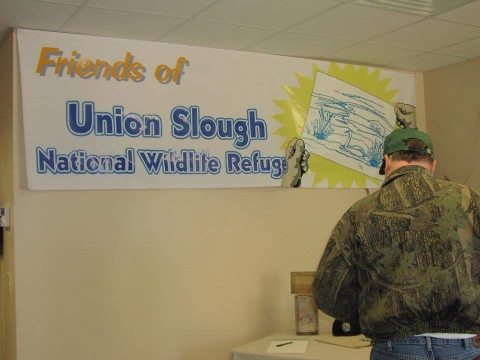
[(158, 274)]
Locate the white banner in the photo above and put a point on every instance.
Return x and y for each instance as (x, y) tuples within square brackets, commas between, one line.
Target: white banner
[(104, 113)]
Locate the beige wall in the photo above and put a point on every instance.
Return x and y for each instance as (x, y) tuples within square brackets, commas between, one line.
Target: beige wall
[(162, 274), (7, 270), (159, 274), (452, 105)]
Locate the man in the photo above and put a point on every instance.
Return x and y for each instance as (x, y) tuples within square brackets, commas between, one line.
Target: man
[(405, 260)]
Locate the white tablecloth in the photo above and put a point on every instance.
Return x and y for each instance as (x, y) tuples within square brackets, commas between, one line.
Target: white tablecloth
[(316, 350)]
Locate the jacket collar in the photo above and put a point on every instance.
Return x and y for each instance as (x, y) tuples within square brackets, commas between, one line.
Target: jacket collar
[(405, 170)]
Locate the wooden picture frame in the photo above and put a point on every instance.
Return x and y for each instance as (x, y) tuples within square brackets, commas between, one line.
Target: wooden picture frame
[(301, 282)]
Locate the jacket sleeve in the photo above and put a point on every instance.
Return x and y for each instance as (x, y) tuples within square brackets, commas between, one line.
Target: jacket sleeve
[(475, 204), (335, 287)]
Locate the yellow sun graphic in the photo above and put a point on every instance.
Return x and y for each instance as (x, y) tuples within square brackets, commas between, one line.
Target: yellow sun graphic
[(295, 110)]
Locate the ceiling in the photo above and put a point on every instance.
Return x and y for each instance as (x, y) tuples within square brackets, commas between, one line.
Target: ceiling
[(351, 31)]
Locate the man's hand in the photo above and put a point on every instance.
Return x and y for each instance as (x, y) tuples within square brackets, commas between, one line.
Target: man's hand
[(405, 115), (297, 159)]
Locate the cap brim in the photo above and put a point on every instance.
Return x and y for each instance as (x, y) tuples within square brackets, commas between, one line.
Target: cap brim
[(382, 168)]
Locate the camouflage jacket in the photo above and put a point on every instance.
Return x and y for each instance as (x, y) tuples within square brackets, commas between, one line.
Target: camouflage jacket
[(405, 260)]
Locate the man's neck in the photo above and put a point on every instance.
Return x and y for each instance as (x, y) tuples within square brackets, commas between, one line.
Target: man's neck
[(394, 165)]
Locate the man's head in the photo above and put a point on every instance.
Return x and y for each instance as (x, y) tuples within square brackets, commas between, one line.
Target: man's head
[(406, 146)]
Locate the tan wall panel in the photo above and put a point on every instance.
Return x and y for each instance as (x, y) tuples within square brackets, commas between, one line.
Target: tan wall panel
[(452, 106)]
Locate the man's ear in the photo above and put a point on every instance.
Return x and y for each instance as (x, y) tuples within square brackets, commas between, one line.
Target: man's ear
[(387, 164), (432, 166)]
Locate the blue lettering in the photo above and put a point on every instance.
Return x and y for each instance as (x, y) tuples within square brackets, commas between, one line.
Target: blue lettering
[(152, 160), (133, 125), (79, 162), (180, 123), (46, 161), (187, 123), (255, 164), (208, 127), (257, 124), (76, 125), (111, 124), (104, 124), (187, 162)]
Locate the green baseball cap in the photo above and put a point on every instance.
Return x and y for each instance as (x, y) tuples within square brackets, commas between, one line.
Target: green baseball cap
[(397, 141)]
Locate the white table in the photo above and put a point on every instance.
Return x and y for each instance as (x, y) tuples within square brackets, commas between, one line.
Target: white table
[(316, 350)]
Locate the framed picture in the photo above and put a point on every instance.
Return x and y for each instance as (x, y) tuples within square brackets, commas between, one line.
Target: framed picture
[(306, 314), (301, 282)]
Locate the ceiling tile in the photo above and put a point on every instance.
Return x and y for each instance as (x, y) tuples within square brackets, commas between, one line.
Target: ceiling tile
[(300, 45), (125, 24), (320, 29), (217, 35), (426, 62), (34, 14), (470, 49), (185, 8), (418, 7), (274, 14), (354, 22), (75, 2), (428, 35), (467, 14), (373, 54)]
